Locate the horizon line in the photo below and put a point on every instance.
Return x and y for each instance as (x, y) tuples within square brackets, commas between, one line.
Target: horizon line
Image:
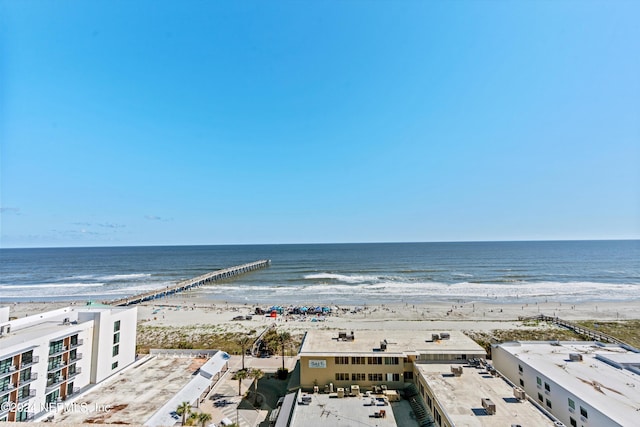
[(321, 243)]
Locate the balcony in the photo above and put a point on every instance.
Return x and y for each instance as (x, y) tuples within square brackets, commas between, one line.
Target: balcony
[(78, 357), (77, 344), (25, 363), (53, 383), (25, 397), (75, 373), (8, 371), (56, 366), (30, 378), (8, 387), (55, 351)]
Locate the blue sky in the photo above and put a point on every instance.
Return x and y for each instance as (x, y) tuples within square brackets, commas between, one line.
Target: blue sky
[(195, 122)]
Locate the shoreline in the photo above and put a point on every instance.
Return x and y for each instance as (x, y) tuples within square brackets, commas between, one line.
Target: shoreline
[(192, 309)]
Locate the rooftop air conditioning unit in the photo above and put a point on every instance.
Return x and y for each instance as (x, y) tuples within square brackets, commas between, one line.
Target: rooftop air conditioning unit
[(445, 335), (489, 406), (435, 337), (575, 357), (456, 370), (519, 393), (383, 345)]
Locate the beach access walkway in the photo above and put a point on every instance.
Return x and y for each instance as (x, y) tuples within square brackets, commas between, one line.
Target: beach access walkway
[(195, 282)]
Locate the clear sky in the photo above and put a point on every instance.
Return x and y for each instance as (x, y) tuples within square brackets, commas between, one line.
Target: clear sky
[(222, 122)]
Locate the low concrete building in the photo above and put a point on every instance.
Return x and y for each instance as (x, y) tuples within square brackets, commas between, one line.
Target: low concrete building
[(471, 396), (49, 357), (582, 383), (375, 358)]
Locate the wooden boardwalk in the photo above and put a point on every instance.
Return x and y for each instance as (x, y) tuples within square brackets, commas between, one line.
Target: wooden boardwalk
[(204, 279), (590, 333)]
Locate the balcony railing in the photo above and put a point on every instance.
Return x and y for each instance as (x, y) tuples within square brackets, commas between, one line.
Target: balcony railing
[(6, 387), (78, 357), (55, 382), (74, 373), (56, 366), (25, 363), (30, 378), (78, 343), (31, 394), (59, 350)]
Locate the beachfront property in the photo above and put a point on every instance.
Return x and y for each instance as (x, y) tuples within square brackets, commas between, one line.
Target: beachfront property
[(442, 374), (49, 358), (377, 358), (581, 383)]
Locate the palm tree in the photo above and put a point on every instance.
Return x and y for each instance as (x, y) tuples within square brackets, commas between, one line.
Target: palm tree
[(183, 409), (244, 341), (256, 374), (240, 375), (203, 417), (284, 337)]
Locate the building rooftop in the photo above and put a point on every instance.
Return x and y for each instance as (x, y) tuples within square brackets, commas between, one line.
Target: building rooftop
[(606, 376), (398, 343), (461, 398), (38, 325), (322, 410)]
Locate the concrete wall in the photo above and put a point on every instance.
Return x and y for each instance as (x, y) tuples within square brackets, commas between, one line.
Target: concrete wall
[(310, 376), (557, 395)]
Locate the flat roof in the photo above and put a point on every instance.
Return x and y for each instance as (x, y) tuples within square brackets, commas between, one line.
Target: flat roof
[(610, 390), (461, 397), (327, 410), (36, 326), (399, 343), (133, 395)]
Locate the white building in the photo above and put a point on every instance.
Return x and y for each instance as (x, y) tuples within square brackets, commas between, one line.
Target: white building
[(47, 358), (581, 383)]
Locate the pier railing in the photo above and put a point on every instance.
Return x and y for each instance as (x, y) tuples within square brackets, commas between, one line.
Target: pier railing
[(195, 282)]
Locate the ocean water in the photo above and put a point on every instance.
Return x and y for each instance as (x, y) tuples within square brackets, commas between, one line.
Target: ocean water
[(570, 271)]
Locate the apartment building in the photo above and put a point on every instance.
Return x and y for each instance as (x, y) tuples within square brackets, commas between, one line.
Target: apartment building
[(47, 358), (582, 384), (376, 358)]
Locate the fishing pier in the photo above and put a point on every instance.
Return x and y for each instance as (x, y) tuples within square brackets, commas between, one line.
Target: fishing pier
[(185, 285)]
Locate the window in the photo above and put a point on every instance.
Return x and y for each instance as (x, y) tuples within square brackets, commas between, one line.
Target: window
[(342, 377), (5, 365), (73, 354), (116, 350), (521, 383), (342, 360), (74, 339), (538, 381), (4, 383), (548, 404), (520, 368), (371, 360), (25, 375), (540, 398), (358, 360), (375, 377), (395, 377), (408, 375), (583, 412), (116, 338), (391, 361), (114, 365), (358, 377), (116, 326), (24, 392), (572, 404), (573, 422), (547, 387), (55, 347), (72, 369), (27, 357)]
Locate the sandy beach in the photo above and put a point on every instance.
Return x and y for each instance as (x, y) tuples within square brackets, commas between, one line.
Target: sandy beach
[(188, 309)]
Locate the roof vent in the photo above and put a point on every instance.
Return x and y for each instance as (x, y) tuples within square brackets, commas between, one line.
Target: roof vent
[(575, 357)]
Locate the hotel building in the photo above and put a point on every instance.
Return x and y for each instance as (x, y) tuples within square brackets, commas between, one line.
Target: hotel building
[(48, 358), (582, 384)]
